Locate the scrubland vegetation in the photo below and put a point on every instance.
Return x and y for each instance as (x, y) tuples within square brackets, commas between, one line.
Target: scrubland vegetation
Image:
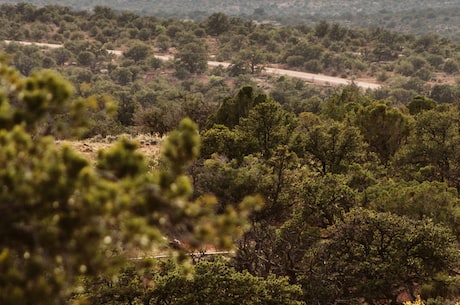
[(321, 194)]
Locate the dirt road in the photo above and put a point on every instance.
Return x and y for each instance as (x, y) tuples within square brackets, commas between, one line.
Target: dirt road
[(320, 78), (310, 77)]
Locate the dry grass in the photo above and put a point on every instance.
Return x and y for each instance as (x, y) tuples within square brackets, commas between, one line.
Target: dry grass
[(148, 145)]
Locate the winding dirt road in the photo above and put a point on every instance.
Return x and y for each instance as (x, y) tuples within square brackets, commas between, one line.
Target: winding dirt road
[(309, 77)]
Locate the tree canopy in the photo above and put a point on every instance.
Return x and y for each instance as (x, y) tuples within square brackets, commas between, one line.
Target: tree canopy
[(63, 218), (360, 186)]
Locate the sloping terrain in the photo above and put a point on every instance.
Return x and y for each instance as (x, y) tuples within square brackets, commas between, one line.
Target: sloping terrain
[(239, 7), (412, 16)]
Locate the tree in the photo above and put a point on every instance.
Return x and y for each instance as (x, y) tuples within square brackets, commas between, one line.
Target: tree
[(253, 58), (159, 119), (138, 52), (375, 256), (383, 52), (337, 32), (444, 94), (278, 241), (433, 200), (198, 109), (220, 176), (27, 11), (128, 288), (266, 127), (451, 66), (122, 75), (219, 140), (384, 128), (419, 104), (431, 152), (217, 24), (193, 57), (48, 62), (326, 199), (86, 58), (61, 55), (329, 147), (103, 12), (26, 63), (321, 28), (345, 102), (296, 96), (234, 108), (239, 288), (163, 42), (279, 249), (306, 51), (63, 217), (211, 283)]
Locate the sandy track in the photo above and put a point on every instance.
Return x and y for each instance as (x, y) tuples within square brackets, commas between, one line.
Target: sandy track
[(310, 77)]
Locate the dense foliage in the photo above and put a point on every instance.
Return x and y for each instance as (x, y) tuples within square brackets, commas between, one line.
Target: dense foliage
[(63, 218), (360, 188), (412, 16)]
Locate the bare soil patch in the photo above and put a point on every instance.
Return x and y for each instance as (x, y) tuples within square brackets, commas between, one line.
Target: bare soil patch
[(149, 145)]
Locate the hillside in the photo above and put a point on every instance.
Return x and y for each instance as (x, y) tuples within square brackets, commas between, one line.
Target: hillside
[(414, 16), (129, 139), (239, 7), (166, 60)]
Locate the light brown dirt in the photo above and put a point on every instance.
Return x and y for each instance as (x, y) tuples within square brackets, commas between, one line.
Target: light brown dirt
[(149, 146)]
